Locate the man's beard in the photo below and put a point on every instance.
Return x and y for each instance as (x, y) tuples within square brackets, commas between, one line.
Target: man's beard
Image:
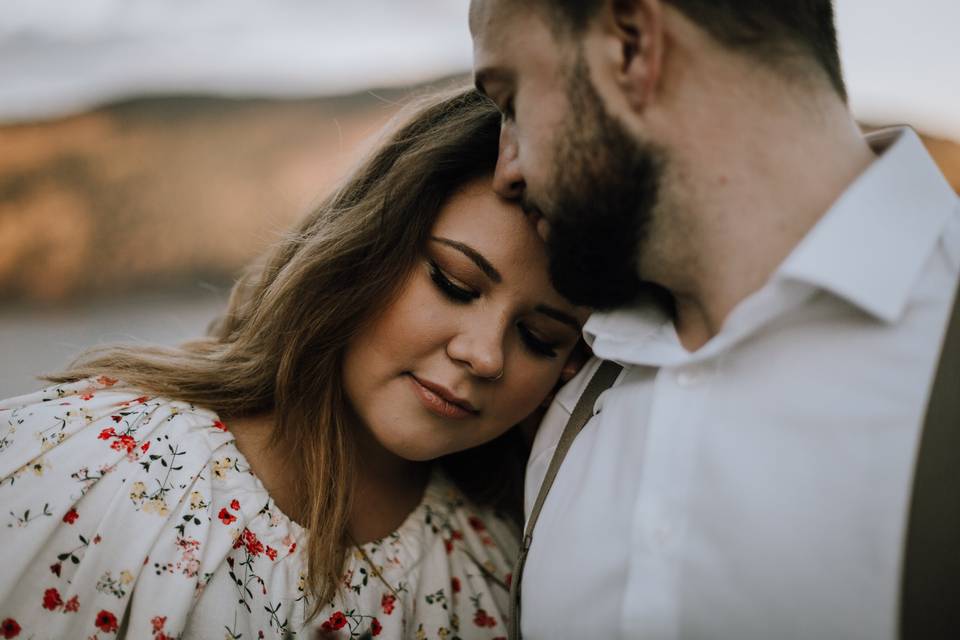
[(600, 203)]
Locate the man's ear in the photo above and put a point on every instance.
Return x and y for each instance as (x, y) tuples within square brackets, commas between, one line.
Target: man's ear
[(635, 30)]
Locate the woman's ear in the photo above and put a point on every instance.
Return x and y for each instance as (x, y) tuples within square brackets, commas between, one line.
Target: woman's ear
[(575, 361)]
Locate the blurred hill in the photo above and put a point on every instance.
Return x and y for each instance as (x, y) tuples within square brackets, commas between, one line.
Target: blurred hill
[(163, 191), (166, 192)]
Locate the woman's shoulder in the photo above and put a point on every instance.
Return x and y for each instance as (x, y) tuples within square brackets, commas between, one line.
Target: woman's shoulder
[(108, 487), (101, 420)]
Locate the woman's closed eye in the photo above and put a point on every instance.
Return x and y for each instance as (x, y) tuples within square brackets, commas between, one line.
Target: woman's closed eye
[(535, 344), (453, 291), (458, 293)]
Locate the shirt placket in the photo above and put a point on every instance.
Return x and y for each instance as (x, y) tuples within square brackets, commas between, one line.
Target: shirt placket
[(651, 599)]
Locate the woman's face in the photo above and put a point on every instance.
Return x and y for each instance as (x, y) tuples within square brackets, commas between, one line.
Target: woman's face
[(474, 340)]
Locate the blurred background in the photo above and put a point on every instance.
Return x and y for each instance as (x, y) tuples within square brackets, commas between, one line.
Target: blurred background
[(150, 148)]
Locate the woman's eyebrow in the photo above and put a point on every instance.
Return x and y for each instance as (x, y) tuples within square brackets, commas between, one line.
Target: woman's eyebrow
[(559, 316), (474, 255)]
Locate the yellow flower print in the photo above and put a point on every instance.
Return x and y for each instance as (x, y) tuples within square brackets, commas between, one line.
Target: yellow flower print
[(196, 500), (443, 632), (157, 506), (126, 577), (138, 491), (221, 467)]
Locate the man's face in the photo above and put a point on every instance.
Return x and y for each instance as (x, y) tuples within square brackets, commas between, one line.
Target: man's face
[(564, 156)]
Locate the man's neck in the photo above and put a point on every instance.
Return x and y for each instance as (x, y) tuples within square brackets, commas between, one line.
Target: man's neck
[(739, 198)]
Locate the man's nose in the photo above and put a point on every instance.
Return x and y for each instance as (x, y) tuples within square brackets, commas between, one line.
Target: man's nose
[(507, 177)]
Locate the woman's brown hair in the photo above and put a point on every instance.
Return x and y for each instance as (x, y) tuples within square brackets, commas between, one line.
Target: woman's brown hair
[(279, 346)]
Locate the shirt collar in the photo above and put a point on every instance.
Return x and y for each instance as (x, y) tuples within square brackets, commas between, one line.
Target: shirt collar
[(871, 246), (869, 249)]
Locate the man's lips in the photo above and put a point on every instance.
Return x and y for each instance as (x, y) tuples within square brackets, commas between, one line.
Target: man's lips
[(440, 400)]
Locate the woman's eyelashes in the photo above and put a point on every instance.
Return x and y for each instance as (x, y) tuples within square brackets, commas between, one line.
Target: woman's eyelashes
[(463, 295), (535, 344), (446, 286)]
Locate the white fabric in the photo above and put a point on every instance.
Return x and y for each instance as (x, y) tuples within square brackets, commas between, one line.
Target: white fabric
[(137, 516), (758, 488)]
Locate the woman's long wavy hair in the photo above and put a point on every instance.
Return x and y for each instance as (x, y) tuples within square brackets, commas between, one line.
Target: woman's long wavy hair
[(279, 346)]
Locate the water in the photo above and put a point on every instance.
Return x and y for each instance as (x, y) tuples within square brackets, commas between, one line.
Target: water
[(33, 341)]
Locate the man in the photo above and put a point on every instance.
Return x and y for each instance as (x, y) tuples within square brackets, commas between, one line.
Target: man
[(776, 286)]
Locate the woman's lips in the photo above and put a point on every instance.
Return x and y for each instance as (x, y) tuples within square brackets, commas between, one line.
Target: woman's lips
[(438, 401)]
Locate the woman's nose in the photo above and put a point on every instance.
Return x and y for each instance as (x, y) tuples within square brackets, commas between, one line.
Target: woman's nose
[(507, 176), (480, 349)]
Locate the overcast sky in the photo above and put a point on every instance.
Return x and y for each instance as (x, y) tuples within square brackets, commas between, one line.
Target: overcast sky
[(902, 59)]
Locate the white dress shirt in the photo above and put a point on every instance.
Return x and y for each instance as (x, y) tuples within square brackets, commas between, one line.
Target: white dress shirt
[(758, 487)]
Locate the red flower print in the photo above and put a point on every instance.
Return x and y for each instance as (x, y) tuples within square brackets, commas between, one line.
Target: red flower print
[(51, 599), (271, 553), (72, 605), (106, 621), (219, 425), (235, 504), (9, 628), (106, 434), (87, 396), (97, 539), (375, 627), (226, 517), (448, 545), (337, 621), (125, 442), (249, 539), (141, 399), (481, 619), (55, 568), (117, 418), (292, 548), (456, 534), (106, 381), (388, 602), (455, 584), (71, 516), (158, 622), (145, 446), (477, 523)]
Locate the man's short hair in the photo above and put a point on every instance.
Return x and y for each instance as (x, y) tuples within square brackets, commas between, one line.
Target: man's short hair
[(773, 31)]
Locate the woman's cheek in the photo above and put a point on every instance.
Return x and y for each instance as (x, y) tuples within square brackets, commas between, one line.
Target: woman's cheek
[(532, 387)]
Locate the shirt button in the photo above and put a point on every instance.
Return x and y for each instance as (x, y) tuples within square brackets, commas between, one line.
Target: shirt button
[(662, 533), (689, 377)]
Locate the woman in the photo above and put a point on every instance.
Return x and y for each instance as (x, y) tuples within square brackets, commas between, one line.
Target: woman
[(274, 478)]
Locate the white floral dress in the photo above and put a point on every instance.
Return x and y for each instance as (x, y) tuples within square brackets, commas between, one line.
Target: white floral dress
[(124, 515)]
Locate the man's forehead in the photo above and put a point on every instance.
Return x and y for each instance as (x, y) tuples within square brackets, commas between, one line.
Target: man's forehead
[(491, 20), (500, 29)]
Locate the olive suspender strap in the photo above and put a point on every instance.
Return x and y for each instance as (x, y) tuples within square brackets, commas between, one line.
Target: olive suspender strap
[(602, 380), (930, 596)]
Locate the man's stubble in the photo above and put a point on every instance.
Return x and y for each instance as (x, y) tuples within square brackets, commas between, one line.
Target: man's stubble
[(600, 203)]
